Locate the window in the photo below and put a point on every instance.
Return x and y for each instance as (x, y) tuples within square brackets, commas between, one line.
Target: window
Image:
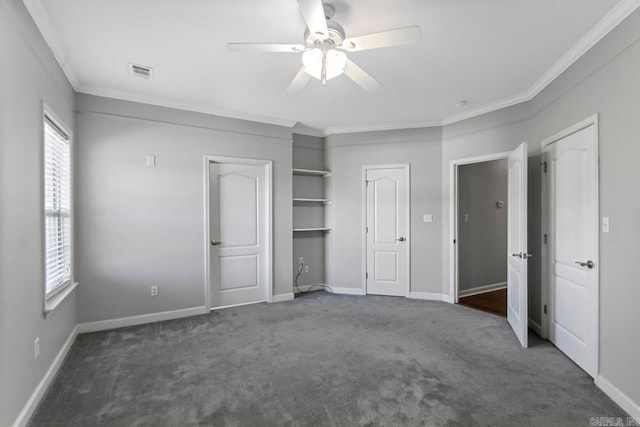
[(57, 207)]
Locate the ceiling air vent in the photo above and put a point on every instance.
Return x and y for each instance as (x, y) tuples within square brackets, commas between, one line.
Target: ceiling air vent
[(141, 71)]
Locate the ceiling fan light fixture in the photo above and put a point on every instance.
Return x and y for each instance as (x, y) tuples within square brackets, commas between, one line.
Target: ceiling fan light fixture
[(335, 63)]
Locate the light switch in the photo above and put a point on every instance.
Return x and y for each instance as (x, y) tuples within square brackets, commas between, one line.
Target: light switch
[(428, 218), (151, 160), (605, 224)]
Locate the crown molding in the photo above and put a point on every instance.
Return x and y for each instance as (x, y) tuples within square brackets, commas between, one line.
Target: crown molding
[(50, 35), (610, 21), (597, 33), (377, 128), (618, 14), (487, 108), (308, 131), (162, 102)]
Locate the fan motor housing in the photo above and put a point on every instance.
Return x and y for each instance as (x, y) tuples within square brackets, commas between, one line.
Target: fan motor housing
[(336, 32)]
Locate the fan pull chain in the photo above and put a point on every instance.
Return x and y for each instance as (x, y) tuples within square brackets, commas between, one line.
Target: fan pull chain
[(324, 65)]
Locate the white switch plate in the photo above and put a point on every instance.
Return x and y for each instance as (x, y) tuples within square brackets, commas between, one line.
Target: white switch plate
[(306, 268), (427, 218), (605, 224), (151, 160)]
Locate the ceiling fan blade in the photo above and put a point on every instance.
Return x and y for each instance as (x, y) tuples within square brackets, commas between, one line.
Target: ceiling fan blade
[(361, 77), (265, 47), (313, 13), (396, 37), (299, 81)]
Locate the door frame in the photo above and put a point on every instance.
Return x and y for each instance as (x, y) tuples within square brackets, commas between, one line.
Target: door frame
[(453, 215), (546, 206), (268, 221), (407, 174)]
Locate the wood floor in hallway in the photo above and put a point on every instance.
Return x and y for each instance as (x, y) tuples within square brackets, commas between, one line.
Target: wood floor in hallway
[(493, 302)]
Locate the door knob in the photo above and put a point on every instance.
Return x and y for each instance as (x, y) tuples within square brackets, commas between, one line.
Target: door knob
[(522, 255), (215, 242), (588, 264), (401, 239)]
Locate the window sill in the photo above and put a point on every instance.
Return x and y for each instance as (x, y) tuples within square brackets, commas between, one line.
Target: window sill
[(53, 302)]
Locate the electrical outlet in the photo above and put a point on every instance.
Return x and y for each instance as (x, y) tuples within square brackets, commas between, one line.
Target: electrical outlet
[(154, 291), (36, 348), (306, 268)]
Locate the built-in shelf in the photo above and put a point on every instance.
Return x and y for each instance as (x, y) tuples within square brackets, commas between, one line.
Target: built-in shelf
[(311, 172), (299, 202), (312, 229), (323, 201)]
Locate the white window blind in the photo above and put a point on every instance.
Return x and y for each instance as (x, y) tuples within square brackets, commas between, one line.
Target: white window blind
[(57, 208)]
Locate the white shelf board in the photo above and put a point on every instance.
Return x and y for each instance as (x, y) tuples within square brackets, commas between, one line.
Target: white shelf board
[(324, 201), (311, 172), (312, 229)]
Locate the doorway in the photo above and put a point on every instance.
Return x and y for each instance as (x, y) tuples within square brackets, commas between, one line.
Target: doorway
[(482, 235), (386, 219), (516, 254), (238, 222), (570, 257)]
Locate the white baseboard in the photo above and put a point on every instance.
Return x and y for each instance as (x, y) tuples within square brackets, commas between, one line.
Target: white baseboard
[(425, 296), (447, 298), (29, 408), (347, 291), (236, 305), (282, 297), (122, 322), (619, 397), (482, 289), (305, 288), (535, 327)]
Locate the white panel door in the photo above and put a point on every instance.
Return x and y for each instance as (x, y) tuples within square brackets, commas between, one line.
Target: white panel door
[(517, 256), (387, 231), (239, 241), (574, 246)]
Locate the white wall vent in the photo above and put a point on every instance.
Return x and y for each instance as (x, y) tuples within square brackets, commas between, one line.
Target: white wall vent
[(141, 71)]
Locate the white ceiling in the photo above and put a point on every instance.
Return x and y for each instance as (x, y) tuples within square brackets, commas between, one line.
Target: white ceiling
[(491, 53)]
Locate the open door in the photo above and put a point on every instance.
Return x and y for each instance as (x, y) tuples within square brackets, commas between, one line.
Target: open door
[(517, 254)]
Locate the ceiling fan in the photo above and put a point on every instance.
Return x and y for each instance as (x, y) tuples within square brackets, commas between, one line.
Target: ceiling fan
[(324, 54)]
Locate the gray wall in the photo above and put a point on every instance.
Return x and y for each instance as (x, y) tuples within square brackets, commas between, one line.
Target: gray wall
[(603, 81), (606, 81), (139, 226), (496, 132), (308, 153), (346, 154), (29, 75), (482, 225)]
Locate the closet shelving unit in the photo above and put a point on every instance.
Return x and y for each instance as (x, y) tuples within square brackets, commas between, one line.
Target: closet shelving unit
[(308, 200)]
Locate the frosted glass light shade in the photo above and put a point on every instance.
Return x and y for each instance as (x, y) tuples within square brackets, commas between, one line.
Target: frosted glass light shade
[(312, 61)]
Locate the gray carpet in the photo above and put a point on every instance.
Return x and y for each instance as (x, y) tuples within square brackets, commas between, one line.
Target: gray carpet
[(321, 360)]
